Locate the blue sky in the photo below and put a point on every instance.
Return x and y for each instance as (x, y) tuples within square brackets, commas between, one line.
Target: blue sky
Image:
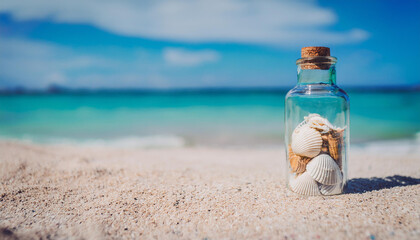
[(219, 43)]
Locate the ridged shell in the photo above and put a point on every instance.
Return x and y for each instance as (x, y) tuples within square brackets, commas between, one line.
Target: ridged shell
[(297, 163), (303, 123), (324, 170), (306, 142), (305, 185), (330, 189)]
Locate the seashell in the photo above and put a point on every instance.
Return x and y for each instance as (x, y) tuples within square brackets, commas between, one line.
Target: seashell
[(335, 141), (319, 123), (312, 115), (306, 142), (297, 163), (300, 125), (330, 189), (305, 185), (324, 170), (325, 147), (324, 150), (294, 160)]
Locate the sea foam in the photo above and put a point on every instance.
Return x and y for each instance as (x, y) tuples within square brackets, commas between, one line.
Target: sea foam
[(152, 141)]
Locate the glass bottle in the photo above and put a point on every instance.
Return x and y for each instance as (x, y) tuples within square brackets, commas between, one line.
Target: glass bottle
[(317, 127)]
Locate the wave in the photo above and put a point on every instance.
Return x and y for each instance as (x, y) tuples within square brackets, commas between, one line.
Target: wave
[(395, 146), (153, 141), (402, 145)]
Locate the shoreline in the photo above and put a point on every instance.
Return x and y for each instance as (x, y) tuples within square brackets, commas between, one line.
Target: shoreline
[(174, 141), (65, 191)]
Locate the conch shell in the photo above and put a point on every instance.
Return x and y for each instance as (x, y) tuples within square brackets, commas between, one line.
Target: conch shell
[(325, 148), (335, 141), (297, 163)]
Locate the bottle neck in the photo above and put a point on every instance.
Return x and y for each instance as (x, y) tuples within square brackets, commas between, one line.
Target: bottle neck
[(316, 76)]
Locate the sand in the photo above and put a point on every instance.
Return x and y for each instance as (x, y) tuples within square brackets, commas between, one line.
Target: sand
[(79, 192)]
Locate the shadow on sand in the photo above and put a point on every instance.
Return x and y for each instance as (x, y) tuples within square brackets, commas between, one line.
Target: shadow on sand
[(362, 185)]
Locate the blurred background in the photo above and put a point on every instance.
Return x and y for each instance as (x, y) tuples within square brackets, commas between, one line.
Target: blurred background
[(190, 73)]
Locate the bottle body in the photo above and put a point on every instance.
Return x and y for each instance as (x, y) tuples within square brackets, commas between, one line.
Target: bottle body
[(317, 133)]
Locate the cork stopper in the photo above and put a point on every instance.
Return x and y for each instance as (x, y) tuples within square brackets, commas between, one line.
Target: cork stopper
[(311, 52), (315, 52)]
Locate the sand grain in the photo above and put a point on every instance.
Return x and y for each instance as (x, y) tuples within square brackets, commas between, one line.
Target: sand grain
[(198, 193)]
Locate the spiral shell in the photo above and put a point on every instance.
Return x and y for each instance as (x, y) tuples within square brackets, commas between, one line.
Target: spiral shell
[(305, 185), (335, 141), (306, 141), (324, 170)]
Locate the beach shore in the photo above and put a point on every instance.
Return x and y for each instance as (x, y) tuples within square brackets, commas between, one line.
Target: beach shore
[(62, 191)]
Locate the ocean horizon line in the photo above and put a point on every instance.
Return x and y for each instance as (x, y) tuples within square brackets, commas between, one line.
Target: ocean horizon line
[(55, 89)]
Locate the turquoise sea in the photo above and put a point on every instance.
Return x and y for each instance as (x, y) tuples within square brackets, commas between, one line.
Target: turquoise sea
[(175, 118)]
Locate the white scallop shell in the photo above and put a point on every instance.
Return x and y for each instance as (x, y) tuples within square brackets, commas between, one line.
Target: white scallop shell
[(303, 123), (306, 141), (330, 189), (305, 185), (324, 170)]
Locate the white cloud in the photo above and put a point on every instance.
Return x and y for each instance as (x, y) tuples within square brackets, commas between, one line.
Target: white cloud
[(271, 22), (182, 57), (36, 65)]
